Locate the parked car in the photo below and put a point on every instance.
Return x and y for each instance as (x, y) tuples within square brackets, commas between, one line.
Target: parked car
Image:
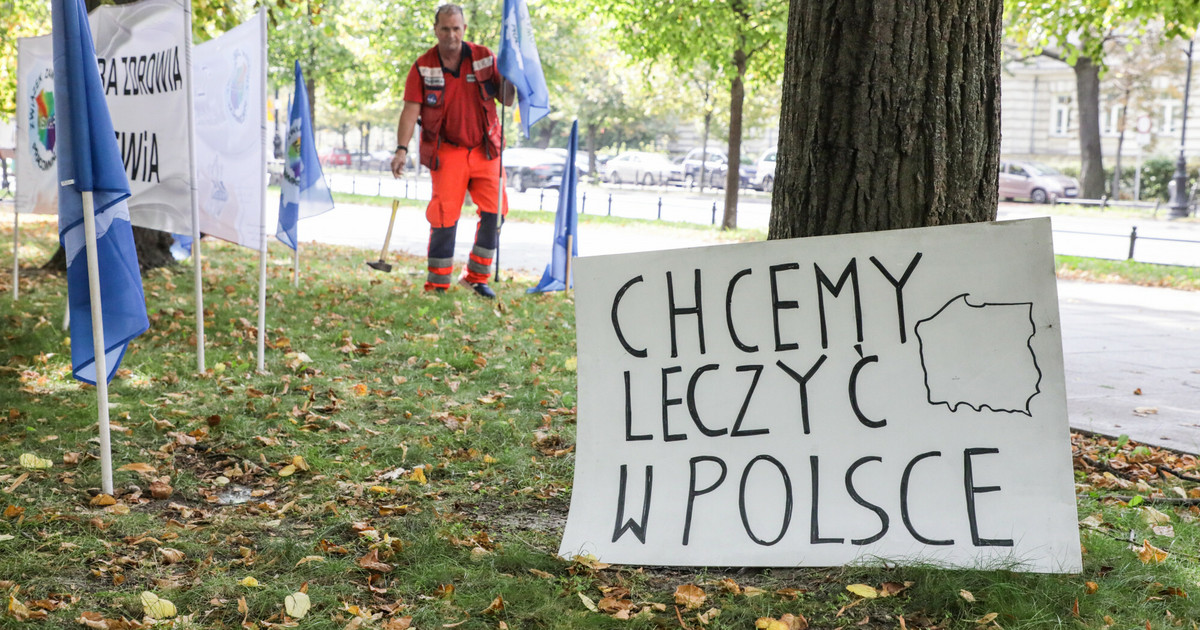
[(335, 157), (640, 167), (532, 168), (1034, 181), (581, 159), (764, 172), (716, 165)]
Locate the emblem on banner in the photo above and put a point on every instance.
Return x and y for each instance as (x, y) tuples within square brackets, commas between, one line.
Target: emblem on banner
[(237, 91), (42, 136), (293, 166)]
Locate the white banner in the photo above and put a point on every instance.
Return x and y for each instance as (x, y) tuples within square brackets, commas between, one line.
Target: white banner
[(37, 171), (142, 55), (891, 396), (230, 118), (143, 80)]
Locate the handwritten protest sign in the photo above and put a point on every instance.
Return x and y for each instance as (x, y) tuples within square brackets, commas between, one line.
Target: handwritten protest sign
[(883, 396)]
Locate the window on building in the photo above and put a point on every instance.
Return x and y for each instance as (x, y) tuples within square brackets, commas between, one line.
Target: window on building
[(1171, 116), (1062, 115), (1110, 125)]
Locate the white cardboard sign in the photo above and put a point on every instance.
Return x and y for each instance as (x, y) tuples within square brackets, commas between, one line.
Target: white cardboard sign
[(890, 396)]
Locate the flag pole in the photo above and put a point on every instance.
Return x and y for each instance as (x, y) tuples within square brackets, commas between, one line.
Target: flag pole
[(262, 210), (89, 231), (567, 275), (197, 273), (16, 285), (296, 258), (503, 196)]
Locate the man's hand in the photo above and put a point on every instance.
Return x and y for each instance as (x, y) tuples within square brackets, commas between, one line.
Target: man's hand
[(399, 163)]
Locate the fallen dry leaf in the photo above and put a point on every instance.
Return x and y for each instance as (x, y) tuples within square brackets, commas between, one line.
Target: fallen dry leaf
[(588, 603), (33, 462), (965, 594), (297, 604), (690, 596), (496, 606), (371, 562), (863, 591), (103, 500), (139, 467), (1149, 554)]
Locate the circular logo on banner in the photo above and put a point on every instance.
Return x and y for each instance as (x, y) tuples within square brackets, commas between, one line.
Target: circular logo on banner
[(42, 136), (237, 91), (293, 166)]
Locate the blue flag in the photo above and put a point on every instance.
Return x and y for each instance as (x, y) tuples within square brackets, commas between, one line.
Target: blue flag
[(90, 161), (303, 192), (566, 223), (519, 63)]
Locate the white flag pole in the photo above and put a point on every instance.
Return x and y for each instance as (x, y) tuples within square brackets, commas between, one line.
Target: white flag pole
[(262, 212), (296, 257), (89, 231), (197, 273), (16, 285)]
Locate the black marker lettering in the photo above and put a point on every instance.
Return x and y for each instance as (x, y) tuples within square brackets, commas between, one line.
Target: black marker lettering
[(666, 406), (691, 401), (674, 312), (904, 500), (972, 490), (823, 283), (814, 534), (883, 516), (629, 436), (779, 305), (899, 285), (638, 529), (693, 492), (737, 426), (729, 312), (641, 354), (803, 381), (874, 424), (787, 504)]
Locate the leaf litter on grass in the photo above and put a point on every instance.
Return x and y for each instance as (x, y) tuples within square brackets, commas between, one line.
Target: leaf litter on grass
[(406, 462)]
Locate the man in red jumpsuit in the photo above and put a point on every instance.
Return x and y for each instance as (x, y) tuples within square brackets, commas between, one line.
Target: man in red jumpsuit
[(452, 89)]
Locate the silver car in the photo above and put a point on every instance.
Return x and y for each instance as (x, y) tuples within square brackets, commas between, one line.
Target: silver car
[(640, 167), (1034, 181)]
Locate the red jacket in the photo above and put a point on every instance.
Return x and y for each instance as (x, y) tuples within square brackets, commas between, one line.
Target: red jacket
[(483, 69)]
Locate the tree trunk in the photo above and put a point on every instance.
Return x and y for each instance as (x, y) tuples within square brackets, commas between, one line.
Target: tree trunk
[(153, 251), (1091, 160), (590, 134), (737, 96), (890, 116)]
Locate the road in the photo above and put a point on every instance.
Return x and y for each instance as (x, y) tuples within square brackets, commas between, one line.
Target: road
[(1157, 240)]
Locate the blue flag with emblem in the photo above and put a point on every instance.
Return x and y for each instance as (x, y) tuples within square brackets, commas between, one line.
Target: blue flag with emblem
[(519, 63), (566, 223), (303, 192), (90, 161)]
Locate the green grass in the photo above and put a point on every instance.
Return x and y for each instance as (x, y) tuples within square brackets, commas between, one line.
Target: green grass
[(1128, 272), (481, 396)]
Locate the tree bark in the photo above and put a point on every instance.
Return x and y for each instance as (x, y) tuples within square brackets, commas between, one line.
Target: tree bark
[(737, 97), (153, 251), (1091, 159), (890, 116)]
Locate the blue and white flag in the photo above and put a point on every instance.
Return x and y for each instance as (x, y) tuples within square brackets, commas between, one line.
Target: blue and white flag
[(566, 223), (519, 63), (90, 161), (303, 192)]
